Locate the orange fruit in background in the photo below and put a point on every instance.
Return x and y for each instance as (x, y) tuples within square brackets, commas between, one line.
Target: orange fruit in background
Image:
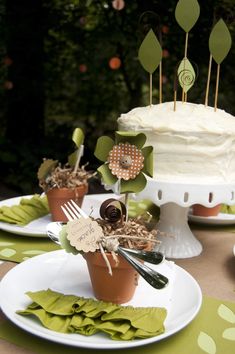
[(82, 68), (114, 63)]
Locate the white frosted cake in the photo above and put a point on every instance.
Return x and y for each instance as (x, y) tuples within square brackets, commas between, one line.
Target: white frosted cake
[(193, 144)]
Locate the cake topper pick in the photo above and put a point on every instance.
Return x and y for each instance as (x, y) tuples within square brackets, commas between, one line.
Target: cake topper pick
[(219, 44), (150, 55), (186, 14), (150, 20)]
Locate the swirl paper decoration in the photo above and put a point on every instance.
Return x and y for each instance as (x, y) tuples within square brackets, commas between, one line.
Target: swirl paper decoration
[(112, 210), (186, 75)]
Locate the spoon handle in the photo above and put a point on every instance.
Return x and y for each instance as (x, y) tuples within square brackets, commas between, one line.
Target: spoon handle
[(155, 279), (148, 256)]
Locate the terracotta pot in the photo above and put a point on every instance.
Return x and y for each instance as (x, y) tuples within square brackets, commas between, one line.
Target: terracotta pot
[(201, 210), (118, 287), (58, 196)]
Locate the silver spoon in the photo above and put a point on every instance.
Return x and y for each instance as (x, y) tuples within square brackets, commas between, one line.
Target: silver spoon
[(155, 279)]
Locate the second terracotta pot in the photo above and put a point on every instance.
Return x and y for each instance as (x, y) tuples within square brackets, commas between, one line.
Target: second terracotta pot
[(200, 210), (117, 288), (58, 196)]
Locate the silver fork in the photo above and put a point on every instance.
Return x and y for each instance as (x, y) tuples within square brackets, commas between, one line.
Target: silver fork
[(155, 279)]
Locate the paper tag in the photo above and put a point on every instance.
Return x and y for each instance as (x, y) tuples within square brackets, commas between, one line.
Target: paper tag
[(84, 234)]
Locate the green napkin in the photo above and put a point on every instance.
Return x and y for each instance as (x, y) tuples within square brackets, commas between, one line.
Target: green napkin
[(73, 314), (25, 212), (227, 209), (207, 333)]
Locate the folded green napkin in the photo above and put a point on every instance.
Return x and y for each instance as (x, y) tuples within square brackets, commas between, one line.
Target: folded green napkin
[(25, 212), (73, 314), (227, 209)]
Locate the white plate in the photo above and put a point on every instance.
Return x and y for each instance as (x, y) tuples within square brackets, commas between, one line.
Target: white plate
[(44, 271), (220, 219), (37, 228)]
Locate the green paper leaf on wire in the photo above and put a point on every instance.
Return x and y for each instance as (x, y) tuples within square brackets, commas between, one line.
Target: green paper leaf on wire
[(186, 75), (150, 52), (220, 41), (103, 146), (187, 13), (78, 137), (46, 167), (137, 139), (134, 185), (106, 175), (148, 160)]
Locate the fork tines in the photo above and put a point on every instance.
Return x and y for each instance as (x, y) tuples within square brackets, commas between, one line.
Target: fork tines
[(73, 211)]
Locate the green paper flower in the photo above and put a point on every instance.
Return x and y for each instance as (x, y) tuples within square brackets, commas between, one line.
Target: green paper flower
[(125, 160)]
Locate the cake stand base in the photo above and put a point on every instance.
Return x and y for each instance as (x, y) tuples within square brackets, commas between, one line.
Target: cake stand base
[(177, 240), (174, 200)]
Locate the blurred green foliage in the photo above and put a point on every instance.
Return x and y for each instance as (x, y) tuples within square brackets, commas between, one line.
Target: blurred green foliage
[(80, 89)]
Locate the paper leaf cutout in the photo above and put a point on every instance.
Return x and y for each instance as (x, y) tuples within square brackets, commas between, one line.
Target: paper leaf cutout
[(72, 158), (206, 343), (225, 313), (229, 333), (103, 146), (186, 75), (65, 244), (187, 13), (148, 160), (45, 168), (150, 52), (137, 139), (134, 185), (220, 41), (78, 137), (106, 175)]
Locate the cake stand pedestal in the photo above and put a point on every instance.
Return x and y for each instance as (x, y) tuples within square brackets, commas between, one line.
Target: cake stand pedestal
[(174, 200)]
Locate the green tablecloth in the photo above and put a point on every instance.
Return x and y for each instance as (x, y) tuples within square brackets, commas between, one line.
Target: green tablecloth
[(17, 248)]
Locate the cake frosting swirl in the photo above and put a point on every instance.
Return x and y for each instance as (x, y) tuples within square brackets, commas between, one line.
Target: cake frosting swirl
[(193, 144)]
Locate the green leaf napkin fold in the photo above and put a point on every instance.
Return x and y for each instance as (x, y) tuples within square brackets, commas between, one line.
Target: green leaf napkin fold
[(227, 209), (73, 314), (28, 210)]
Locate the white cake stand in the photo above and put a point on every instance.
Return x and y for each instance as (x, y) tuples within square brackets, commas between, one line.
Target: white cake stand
[(174, 200)]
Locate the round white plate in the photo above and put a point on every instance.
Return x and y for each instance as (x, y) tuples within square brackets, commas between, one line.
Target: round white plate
[(37, 228), (45, 271), (220, 219)]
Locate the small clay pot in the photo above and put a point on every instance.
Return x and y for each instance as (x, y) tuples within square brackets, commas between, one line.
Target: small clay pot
[(200, 210), (58, 196), (118, 287)]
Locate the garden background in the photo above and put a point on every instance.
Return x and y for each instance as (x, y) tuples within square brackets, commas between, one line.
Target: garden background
[(73, 63)]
